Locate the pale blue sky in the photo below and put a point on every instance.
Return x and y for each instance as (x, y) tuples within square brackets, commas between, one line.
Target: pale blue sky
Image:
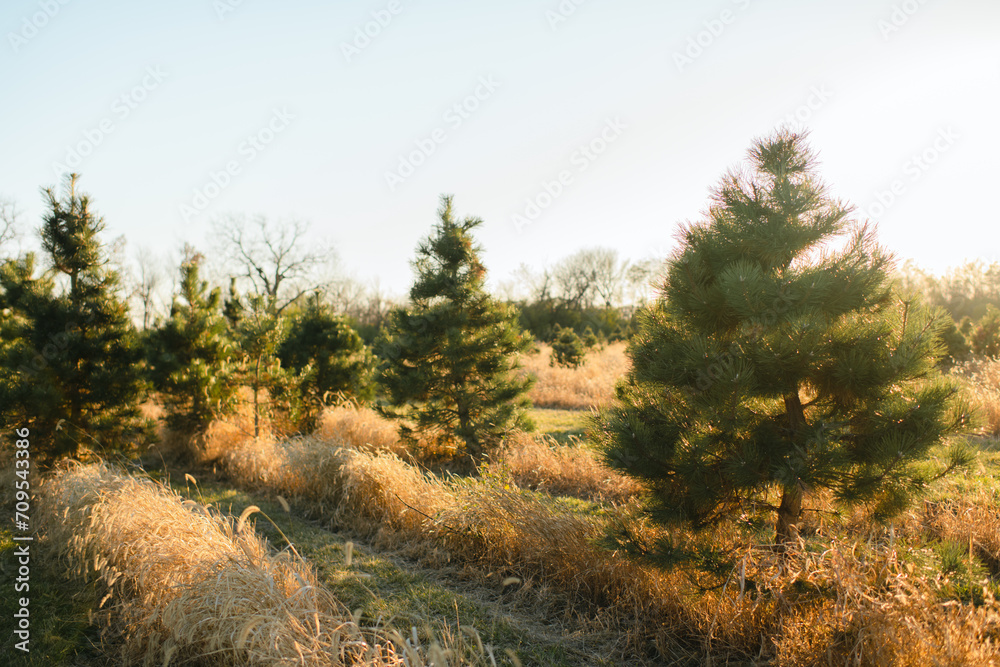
[(879, 99)]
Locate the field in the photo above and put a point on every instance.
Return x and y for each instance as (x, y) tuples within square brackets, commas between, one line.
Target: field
[(341, 548)]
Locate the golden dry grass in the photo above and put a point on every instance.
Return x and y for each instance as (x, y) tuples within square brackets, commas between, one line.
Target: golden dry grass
[(361, 428), (186, 583), (982, 379), (343, 485), (848, 598), (543, 464), (590, 385), (968, 520)]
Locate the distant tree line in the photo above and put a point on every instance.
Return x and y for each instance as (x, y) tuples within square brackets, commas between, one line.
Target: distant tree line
[(970, 294)]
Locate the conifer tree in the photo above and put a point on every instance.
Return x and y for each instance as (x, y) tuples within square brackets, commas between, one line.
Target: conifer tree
[(233, 306), (191, 353), (329, 356), (25, 402), (567, 348), (448, 360), (87, 354), (772, 365), (259, 333), (985, 338)]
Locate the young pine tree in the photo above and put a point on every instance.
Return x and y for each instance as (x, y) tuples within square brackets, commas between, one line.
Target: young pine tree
[(770, 366), (450, 358), (190, 354), (259, 333), (985, 337), (568, 348), (87, 363), (25, 402), (329, 356)]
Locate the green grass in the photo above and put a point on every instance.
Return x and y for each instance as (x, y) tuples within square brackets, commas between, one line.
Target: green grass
[(61, 634), (566, 426), (983, 476)]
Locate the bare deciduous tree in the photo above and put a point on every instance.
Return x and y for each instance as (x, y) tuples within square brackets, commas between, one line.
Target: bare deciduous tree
[(275, 257), (372, 305), (9, 227), (344, 294), (640, 278), (149, 280), (609, 274), (535, 287), (590, 276)]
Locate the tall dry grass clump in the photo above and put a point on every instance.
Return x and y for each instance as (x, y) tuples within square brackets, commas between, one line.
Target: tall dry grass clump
[(865, 604), (346, 487), (982, 380), (189, 584), (541, 463), (361, 428), (590, 385), (490, 524), (974, 521)]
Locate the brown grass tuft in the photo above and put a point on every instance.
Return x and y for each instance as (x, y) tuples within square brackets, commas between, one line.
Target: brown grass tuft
[(187, 583), (968, 520), (982, 379), (360, 428), (341, 484), (590, 385), (541, 463)]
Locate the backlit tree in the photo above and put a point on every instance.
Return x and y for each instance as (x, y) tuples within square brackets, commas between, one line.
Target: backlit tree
[(449, 359), (772, 365)]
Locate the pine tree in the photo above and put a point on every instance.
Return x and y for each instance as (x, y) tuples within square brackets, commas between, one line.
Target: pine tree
[(191, 353), (26, 399), (88, 355), (567, 348), (956, 345), (449, 358), (233, 307), (771, 366), (259, 333), (985, 337), (330, 357)]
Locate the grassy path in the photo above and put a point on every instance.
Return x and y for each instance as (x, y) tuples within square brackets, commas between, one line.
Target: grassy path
[(388, 585), (397, 589), (61, 635)]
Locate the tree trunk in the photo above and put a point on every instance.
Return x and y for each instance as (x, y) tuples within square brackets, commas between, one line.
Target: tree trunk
[(471, 442), (256, 402), (787, 525)]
